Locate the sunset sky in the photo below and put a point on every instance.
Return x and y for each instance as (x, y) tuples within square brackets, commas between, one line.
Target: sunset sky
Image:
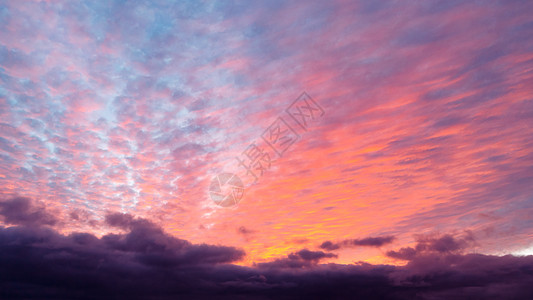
[(115, 117)]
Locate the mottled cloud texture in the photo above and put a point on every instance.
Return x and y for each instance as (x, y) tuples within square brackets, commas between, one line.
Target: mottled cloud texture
[(416, 181)]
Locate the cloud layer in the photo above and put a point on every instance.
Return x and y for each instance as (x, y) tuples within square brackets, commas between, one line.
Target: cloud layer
[(366, 242), (144, 262), (107, 107)]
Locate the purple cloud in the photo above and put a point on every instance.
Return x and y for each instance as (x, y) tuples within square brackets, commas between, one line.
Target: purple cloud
[(427, 245), (24, 211), (133, 265), (365, 242), (145, 262)]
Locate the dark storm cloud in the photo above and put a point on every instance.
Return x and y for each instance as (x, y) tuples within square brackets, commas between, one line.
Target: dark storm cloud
[(310, 255), (37, 262), (330, 246), (373, 241), (119, 220), (22, 211), (154, 247), (445, 244), (368, 242), (471, 276), (302, 259)]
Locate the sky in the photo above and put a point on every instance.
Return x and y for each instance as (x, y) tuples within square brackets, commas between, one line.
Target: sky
[(266, 149)]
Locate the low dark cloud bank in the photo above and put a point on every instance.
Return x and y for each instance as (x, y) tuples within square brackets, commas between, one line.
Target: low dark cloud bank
[(427, 245), (302, 259), (37, 262), (23, 211), (366, 242)]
